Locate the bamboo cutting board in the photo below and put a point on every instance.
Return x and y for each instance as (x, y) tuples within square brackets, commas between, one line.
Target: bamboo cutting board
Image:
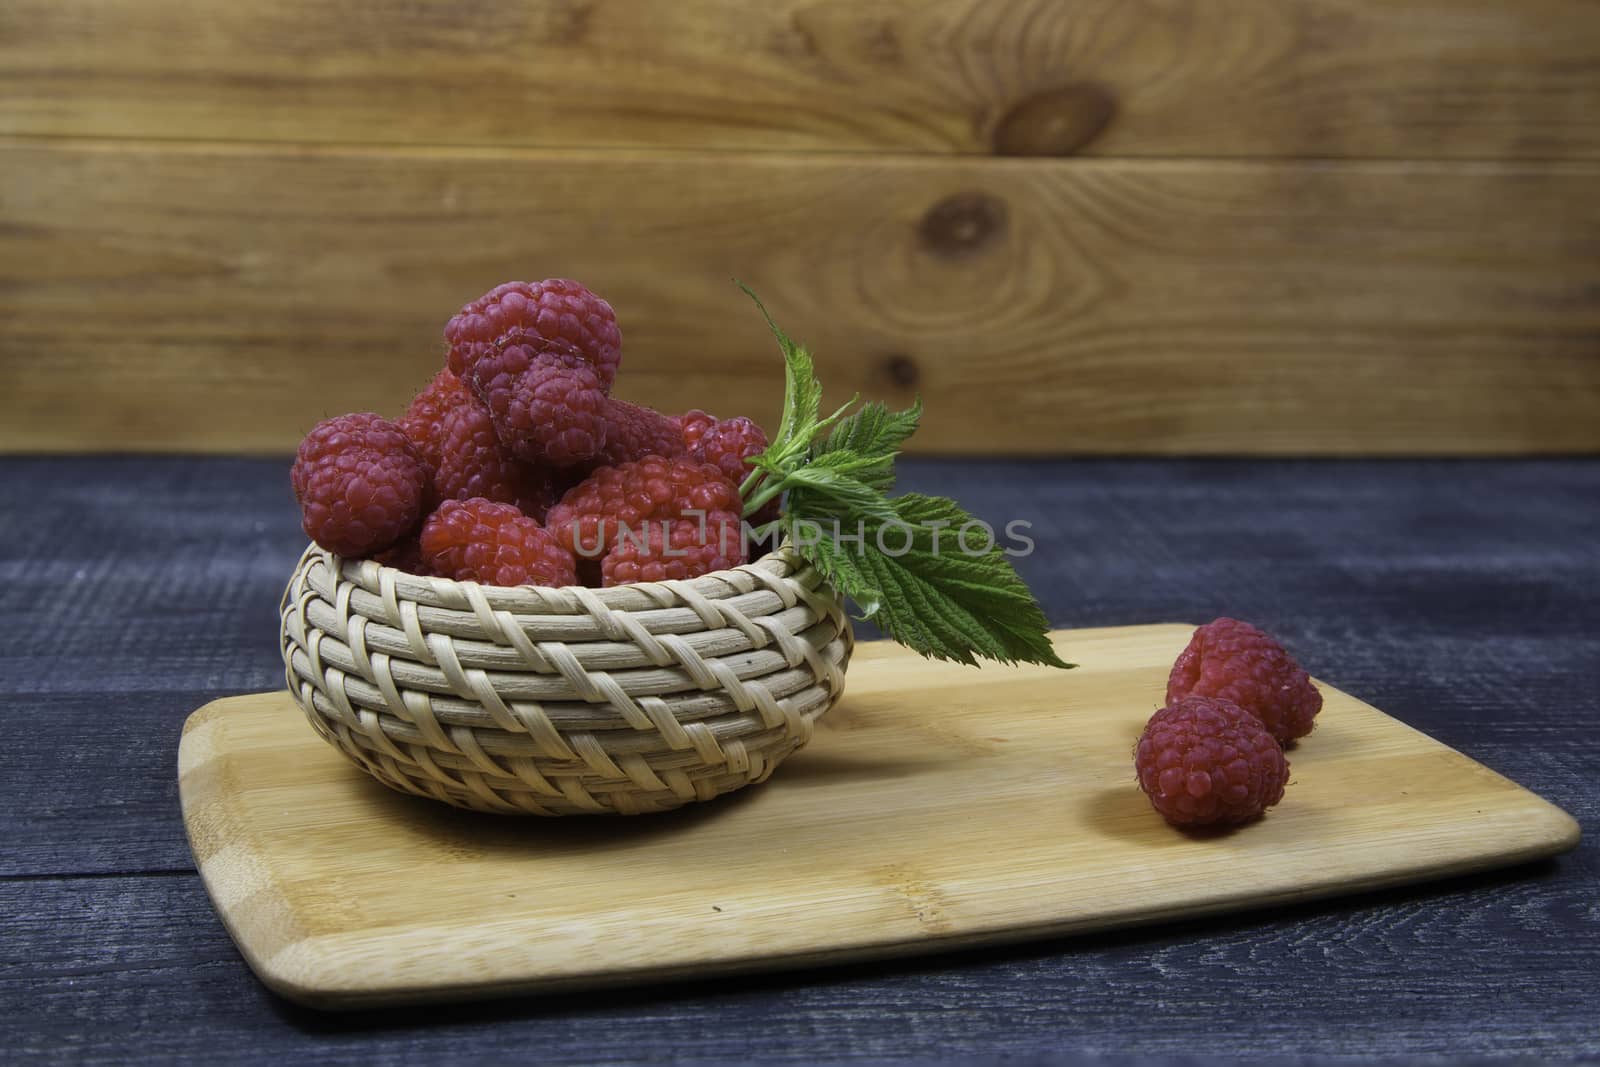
[(938, 806)]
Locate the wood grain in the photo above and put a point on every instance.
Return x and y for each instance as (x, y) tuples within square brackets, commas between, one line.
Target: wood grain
[(225, 298), (1318, 78), (383, 898), (102, 963)]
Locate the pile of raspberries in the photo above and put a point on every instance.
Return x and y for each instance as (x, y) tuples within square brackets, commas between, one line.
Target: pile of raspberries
[(516, 466), (1214, 754)]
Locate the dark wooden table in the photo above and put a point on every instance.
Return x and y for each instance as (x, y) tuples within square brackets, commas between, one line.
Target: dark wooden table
[(1462, 597)]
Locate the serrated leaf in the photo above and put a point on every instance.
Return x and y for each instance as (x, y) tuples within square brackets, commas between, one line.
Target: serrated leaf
[(874, 433), (817, 491), (802, 393), (936, 597)]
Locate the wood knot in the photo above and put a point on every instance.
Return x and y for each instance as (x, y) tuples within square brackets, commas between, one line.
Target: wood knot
[(901, 370), (961, 224), (1056, 122)]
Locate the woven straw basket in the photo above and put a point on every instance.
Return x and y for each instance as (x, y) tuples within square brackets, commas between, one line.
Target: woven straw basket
[(564, 701)]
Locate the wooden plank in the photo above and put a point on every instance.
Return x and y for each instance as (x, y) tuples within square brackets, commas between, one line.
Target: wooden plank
[(383, 897), (1319, 78), (99, 968), (201, 297)]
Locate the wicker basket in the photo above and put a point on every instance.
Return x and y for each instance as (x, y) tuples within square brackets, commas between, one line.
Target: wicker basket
[(564, 701)]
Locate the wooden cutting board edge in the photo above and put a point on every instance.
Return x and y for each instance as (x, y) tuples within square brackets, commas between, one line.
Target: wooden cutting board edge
[(310, 970)]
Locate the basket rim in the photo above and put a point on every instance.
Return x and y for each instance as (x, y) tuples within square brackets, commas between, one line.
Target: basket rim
[(781, 565)]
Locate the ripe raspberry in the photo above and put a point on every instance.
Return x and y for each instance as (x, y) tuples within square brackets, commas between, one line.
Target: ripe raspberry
[(423, 421), (675, 548), (547, 405), (479, 540), (694, 424), (589, 517), (360, 484), (1203, 760), (556, 309), (634, 431), (474, 463), (728, 443), (1235, 661)]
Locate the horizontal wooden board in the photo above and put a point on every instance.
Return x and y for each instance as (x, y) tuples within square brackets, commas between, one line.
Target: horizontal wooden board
[(936, 807), (160, 297), (1320, 78)]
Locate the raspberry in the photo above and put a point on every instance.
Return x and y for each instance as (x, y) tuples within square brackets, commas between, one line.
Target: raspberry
[(473, 462), (360, 484), (423, 421), (675, 548), (634, 432), (479, 540), (728, 443), (590, 516), (552, 310), (693, 425), (1235, 661), (547, 405), (1203, 761)]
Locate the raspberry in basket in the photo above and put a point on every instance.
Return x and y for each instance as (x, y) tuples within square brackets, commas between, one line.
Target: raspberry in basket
[(634, 431), (1237, 662), (556, 309), (730, 444), (589, 517), (423, 421), (674, 549), (360, 484), (546, 402), (473, 462), (480, 540), (1205, 761)]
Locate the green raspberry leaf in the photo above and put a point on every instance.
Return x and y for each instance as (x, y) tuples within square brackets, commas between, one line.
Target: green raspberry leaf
[(902, 561), (802, 393), (922, 585), (873, 436)]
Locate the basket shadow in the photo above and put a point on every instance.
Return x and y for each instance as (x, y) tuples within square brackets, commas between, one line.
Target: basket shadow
[(458, 830), (461, 830)]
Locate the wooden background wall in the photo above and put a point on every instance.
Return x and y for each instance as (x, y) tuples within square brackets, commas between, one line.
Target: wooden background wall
[(1325, 226)]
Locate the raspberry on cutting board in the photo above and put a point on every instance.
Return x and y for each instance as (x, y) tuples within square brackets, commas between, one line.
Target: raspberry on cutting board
[(675, 549), (556, 309), (360, 483), (1205, 761), (1235, 661), (483, 541)]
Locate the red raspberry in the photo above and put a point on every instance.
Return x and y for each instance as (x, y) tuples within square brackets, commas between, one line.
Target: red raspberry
[(728, 443), (634, 431), (556, 309), (675, 548), (590, 516), (1235, 661), (474, 463), (694, 424), (479, 540), (423, 421), (1202, 761), (547, 405), (360, 484)]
